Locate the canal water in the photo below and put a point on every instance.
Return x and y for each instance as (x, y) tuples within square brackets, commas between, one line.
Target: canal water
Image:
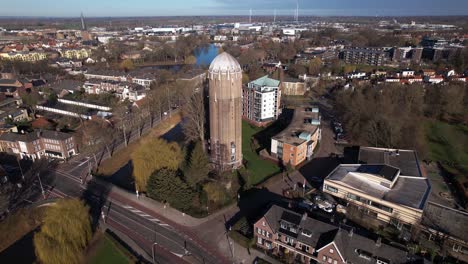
[(204, 56)]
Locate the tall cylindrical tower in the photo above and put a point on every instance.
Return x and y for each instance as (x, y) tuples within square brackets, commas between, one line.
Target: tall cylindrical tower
[(225, 76)]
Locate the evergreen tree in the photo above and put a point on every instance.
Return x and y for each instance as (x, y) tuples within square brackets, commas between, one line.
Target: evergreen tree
[(167, 185), (199, 166)]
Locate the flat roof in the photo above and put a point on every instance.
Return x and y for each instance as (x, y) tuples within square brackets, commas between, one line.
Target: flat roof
[(408, 191), (405, 160), (299, 125)]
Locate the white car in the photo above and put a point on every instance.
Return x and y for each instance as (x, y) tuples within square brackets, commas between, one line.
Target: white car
[(327, 209)]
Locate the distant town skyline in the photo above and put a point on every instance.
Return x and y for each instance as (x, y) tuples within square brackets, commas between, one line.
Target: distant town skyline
[(93, 8)]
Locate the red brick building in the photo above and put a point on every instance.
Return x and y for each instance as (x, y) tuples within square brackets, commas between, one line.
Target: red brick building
[(306, 240), (39, 144)]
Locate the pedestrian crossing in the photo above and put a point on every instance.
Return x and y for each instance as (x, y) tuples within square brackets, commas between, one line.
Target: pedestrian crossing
[(145, 215)]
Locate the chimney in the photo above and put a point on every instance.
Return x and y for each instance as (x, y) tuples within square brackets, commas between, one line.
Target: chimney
[(379, 242), (351, 232)]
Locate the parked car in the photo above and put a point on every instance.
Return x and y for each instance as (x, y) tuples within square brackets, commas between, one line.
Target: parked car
[(327, 209), (316, 179), (307, 205)]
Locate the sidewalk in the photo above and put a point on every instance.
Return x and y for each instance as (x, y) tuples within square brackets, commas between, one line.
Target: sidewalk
[(171, 213), (211, 229)]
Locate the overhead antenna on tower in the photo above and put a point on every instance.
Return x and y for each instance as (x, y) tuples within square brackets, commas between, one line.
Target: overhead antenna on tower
[(297, 11)]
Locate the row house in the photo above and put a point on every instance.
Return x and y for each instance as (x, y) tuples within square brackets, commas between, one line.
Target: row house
[(39, 144), (106, 75), (123, 90), (76, 54), (29, 56), (283, 232)]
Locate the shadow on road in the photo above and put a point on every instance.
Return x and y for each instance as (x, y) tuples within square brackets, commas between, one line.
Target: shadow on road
[(123, 177), (253, 203), (95, 196)]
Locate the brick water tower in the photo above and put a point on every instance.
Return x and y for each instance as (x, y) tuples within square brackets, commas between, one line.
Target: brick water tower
[(225, 96)]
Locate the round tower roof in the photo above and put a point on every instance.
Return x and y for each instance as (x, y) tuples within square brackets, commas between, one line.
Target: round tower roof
[(224, 62)]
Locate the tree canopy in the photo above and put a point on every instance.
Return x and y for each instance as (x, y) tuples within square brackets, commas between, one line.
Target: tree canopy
[(65, 233), (198, 167), (167, 185), (152, 155)]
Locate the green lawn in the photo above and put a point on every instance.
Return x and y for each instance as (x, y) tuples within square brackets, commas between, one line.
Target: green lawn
[(447, 145), (258, 169), (108, 252)]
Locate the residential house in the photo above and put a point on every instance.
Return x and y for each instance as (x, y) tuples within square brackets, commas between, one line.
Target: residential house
[(434, 79), (261, 101), (76, 54), (284, 232), (30, 56), (298, 141)]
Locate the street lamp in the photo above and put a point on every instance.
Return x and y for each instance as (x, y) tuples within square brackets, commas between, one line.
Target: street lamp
[(152, 250)]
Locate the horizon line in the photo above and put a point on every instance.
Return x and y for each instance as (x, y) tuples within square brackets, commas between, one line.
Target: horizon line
[(260, 15)]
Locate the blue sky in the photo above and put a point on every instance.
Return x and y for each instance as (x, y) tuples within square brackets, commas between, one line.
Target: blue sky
[(70, 8)]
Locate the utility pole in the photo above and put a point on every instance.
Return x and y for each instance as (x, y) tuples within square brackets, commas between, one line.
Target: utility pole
[(297, 11), (40, 183), (21, 170), (124, 134)]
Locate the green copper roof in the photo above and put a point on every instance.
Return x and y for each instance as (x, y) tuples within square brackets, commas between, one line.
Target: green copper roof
[(265, 81)]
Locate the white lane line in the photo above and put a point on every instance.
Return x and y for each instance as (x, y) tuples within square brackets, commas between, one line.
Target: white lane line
[(142, 225), (147, 216)]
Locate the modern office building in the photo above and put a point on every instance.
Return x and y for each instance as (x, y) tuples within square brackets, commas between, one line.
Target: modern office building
[(386, 184), (225, 102)]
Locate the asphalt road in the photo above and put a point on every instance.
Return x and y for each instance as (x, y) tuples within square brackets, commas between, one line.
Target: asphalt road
[(162, 240)]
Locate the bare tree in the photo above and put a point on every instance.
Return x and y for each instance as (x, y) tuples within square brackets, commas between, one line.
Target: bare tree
[(194, 113)]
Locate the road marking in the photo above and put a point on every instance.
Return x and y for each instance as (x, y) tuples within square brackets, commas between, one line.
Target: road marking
[(144, 226), (147, 216)]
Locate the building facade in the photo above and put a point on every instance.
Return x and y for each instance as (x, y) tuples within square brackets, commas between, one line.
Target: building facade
[(30, 56), (39, 144), (386, 184), (367, 56), (261, 101), (225, 103), (298, 141), (283, 232)]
